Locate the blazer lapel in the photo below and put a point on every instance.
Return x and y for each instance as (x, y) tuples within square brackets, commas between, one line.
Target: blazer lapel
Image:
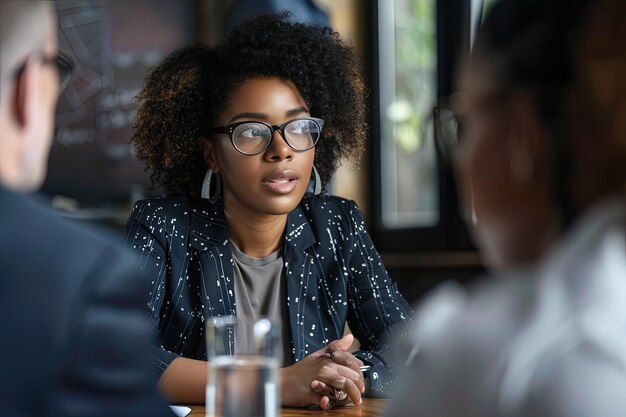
[(210, 242), (301, 285)]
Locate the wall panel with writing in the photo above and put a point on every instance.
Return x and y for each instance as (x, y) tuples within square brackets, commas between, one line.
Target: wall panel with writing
[(115, 43)]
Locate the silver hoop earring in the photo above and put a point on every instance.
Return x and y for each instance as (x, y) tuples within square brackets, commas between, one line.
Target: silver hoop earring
[(315, 184), (206, 187)]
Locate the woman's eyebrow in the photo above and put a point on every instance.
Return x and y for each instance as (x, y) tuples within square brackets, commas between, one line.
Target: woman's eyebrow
[(248, 116), (297, 110)]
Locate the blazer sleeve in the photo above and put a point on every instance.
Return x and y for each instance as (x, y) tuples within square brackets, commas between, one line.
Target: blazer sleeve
[(379, 316), (146, 235), (104, 366)]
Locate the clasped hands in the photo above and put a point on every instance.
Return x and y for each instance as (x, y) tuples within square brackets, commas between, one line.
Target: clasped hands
[(321, 377)]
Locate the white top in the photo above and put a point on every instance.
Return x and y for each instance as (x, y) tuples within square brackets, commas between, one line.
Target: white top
[(545, 341)]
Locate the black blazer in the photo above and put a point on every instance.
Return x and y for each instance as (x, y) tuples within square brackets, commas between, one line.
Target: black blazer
[(333, 275), (72, 320)]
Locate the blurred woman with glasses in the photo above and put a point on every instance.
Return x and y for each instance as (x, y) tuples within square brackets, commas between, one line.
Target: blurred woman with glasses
[(541, 164), (243, 137)]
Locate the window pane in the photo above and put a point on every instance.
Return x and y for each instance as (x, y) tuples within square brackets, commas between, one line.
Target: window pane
[(408, 89), (479, 9), (487, 5)]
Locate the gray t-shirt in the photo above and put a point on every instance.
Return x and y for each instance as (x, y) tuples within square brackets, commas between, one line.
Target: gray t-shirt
[(260, 291)]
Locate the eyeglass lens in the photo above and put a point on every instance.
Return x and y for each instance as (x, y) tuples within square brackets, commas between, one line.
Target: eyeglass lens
[(65, 69), (252, 138), (449, 129)]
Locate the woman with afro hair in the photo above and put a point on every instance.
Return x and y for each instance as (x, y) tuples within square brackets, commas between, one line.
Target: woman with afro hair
[(244, 136)]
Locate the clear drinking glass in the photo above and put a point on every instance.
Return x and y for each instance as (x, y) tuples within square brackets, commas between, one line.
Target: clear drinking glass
[(242, 356)]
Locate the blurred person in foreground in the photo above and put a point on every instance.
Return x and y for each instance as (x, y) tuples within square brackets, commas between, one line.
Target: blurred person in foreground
[(542, 168), (72, 320)]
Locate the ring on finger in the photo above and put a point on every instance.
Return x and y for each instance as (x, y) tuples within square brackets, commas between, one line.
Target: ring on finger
[(340, 394)]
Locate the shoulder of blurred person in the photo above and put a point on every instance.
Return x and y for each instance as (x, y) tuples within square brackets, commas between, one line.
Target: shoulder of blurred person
[(545, 340), (74, 323)]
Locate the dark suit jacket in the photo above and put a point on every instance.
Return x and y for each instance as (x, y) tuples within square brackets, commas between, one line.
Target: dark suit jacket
[(333, 274), (72, 320)]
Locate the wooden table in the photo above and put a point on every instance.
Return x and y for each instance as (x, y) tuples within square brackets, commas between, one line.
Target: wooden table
[(370, 408)]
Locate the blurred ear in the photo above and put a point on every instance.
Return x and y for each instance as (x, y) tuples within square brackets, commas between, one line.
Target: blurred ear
[(25, 99), (208, 153)]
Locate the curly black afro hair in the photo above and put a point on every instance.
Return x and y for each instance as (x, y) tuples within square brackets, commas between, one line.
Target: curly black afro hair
[(183, 95)]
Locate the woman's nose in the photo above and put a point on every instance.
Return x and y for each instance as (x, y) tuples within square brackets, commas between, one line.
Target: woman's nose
[(278, 149)]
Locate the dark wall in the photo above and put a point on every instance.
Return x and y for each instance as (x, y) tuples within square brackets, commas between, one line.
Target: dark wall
[(415, 283), (417, 273)]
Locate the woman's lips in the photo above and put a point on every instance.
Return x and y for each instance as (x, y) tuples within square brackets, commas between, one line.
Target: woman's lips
[(281, 182)]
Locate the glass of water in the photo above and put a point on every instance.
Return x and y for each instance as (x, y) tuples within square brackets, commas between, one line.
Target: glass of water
[(242, 354)]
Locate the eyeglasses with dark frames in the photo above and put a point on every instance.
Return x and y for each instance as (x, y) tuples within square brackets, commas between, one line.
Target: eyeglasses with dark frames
[(254, 137), (450, 114)]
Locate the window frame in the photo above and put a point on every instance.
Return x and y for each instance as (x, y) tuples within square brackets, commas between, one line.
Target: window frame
[(452, 34)]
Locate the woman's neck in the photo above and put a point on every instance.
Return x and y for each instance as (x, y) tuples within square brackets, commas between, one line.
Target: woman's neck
[(256, 235)]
